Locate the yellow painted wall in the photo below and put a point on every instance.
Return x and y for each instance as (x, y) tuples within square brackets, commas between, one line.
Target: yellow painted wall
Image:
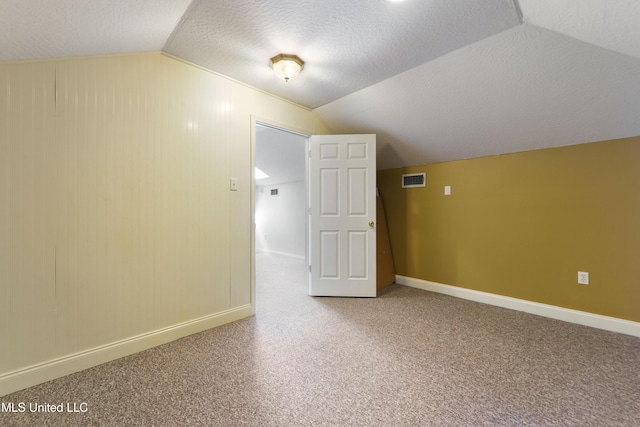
[(116, 218), (522, 225)]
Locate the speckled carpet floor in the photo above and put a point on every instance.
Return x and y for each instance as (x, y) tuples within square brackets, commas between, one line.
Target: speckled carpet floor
[(406, 358)]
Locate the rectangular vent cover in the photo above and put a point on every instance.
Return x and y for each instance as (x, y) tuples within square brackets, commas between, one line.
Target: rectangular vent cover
[(274, 191), (410, 180)]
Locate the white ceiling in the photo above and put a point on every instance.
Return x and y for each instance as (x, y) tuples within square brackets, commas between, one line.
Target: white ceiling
[(37, 29), (436, 80), (346, 45), (525, 88)]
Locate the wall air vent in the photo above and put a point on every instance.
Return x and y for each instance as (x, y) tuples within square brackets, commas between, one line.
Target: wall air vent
[(274, 191), (410, 180)]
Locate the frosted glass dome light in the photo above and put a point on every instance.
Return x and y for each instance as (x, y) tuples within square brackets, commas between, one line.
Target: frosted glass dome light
[(286, 66)]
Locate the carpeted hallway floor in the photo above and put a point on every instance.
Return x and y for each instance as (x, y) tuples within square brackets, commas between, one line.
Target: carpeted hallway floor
[(406, 358)]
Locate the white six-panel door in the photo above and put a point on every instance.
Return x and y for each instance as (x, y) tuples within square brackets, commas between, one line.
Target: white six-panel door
[(342, 215)]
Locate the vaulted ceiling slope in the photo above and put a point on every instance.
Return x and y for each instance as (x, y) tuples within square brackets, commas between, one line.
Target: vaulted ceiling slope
[(523, 89), (38, 29), (437, 80), (569, 75), (347, 45)]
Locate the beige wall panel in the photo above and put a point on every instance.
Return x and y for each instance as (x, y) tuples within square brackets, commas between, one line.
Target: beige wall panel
[(144, 203), (116, 204), (5, 107), (31, 216)]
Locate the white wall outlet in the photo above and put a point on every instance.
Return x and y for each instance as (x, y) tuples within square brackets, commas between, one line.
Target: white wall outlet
[(234, 184), (447, 190), (583, 277)]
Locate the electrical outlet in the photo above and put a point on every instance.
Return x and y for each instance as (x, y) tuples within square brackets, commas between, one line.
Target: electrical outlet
[(583, 277)]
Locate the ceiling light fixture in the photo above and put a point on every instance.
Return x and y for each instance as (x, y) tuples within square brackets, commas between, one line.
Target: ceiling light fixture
[(286, 66)]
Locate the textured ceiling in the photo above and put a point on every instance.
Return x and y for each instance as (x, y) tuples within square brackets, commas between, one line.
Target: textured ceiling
[(525, 88), (569, 75), (346, 45), (435, 80), (612, 24), (37, 29)]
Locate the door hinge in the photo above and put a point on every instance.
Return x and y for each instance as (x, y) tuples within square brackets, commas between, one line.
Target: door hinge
[(309, 153), (309, 268)]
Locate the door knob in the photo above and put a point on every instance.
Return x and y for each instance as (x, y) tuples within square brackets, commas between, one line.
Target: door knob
[(372, 223)]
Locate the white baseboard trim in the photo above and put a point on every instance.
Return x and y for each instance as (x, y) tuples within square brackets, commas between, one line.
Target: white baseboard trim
[(607, 323), (280, 253), (37, 374)]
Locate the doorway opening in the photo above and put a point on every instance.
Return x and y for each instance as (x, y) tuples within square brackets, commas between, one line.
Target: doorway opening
[(280, 198)]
